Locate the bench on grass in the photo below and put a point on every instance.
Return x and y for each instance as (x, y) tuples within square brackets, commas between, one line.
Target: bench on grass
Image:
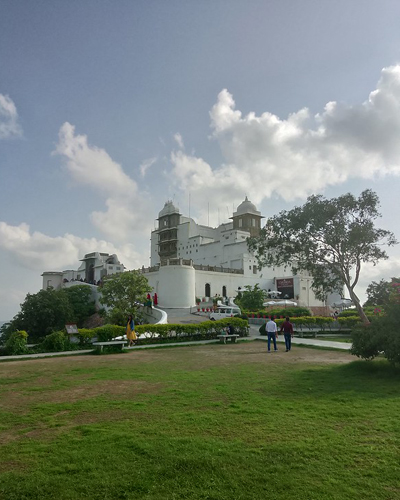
[(99, 345), (223, 338)]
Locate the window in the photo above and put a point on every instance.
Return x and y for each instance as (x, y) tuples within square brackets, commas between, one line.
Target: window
[(240, 223), (254, 269), (253, 222)]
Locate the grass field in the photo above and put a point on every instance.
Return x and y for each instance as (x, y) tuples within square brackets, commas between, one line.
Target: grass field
[(205, 422)]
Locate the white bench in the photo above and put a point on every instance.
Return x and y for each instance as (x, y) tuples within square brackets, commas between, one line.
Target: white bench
[(99, 345), (223, 338)]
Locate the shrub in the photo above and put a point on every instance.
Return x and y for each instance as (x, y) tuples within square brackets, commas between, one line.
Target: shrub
[(55, 342), (349, 321), (347, 313), (389, 335), (108, 332), (85, 336), (366, 341), (16, 343)]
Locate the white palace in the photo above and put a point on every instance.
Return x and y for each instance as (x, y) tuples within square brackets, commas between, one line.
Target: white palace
[(190, 260)]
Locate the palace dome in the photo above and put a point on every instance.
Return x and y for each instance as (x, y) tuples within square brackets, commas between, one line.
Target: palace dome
[(169, 208), (246, 207)]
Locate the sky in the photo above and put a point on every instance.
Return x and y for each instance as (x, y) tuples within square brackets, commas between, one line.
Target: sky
[(109, 109)]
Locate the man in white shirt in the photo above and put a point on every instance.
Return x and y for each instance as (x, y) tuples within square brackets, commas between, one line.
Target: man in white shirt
[(272, 331)]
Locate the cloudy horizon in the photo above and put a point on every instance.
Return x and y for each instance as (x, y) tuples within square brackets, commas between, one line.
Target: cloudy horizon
[(96, 134)]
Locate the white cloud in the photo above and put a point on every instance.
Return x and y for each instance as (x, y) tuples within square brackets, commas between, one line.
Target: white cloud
[(90, 165), (146, 164), (39, 252), (300, 155), (179, 140), (127, 208), (9, 125)]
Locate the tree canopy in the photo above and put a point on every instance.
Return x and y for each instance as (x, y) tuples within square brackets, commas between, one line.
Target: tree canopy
[(379, 293), (251, 298), (123, 292), (49, 310), (330, 239)]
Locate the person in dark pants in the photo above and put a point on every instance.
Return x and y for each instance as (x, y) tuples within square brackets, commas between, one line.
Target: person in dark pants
[(287, 329), (272, 332), (230, 330)]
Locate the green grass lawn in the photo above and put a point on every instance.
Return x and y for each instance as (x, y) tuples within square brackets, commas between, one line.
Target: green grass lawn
[(337, 338), (206, 422)]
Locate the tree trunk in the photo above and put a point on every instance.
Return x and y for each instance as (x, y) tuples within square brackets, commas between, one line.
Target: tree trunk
[(359, 308)]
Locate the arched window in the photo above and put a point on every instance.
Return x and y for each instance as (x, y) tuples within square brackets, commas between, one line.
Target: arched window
[(224, 291), (208, 290)]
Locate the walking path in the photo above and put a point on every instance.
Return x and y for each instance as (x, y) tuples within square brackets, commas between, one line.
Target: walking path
[(253, 335)]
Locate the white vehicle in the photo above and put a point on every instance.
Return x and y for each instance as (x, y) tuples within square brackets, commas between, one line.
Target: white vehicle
[(225, 312)]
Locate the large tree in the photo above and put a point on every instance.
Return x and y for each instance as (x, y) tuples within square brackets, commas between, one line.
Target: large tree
[(82, 303), (330, 239), (42, 313), (124, 291), (379, 293)]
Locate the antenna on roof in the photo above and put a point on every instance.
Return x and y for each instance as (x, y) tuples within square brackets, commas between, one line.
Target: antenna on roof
[(189, 204), (208, 213)]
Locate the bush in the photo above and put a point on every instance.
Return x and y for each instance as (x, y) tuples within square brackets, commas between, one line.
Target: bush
[(108, 332), (389, 334), (16, 343), (366, 341), (55, 342), (347, 313), (85, 336), (292, 312)]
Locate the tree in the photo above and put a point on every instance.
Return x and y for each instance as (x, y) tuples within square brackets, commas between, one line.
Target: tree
[(382, 336), (123, 292), (41, 313), (379, 293), (330, 239), (252, 299), (80, 298)]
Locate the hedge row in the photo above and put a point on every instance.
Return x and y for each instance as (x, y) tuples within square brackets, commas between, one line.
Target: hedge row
[(292, 312), (320, 322), (206, 330)]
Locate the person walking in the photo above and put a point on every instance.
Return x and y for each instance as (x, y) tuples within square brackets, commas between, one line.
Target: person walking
[(130, 331), (272, 331), (287, 329)]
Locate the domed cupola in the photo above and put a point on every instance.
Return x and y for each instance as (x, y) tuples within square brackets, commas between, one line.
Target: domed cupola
[(247, 218), (169, 208)]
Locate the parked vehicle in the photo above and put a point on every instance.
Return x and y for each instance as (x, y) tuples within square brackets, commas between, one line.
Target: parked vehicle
[(224, 312)]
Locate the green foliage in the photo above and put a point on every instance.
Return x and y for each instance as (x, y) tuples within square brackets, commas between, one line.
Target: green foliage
[(348, 312), (16, 343), (382, 335), (379, 293), (366, 341), (85, 336), (328, 239), (42, 313), (80, 299), (292, 312), (108, 332), (123, 292), (55, 342), (215, 300), (252, 298), (156, 333)]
